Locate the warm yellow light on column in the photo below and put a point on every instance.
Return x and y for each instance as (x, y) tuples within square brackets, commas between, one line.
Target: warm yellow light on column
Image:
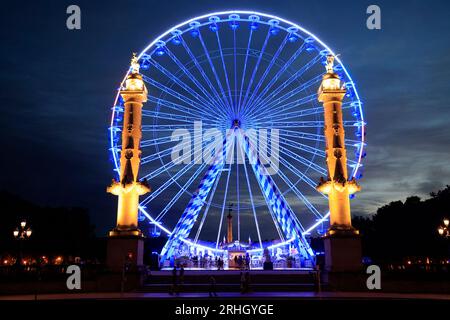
[(129, 188), (336, 185)]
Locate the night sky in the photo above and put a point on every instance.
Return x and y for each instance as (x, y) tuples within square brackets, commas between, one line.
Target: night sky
[(57, 87)]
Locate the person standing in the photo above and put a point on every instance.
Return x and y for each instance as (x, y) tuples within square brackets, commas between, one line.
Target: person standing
[(218, 263), (247, 261)]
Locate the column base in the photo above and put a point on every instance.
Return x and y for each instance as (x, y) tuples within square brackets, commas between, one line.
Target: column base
[(343, 251), (125, 231), (339, 230), (343, 260), (123, 250)]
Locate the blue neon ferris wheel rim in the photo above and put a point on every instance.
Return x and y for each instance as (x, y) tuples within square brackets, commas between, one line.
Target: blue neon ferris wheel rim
[(243, 16)]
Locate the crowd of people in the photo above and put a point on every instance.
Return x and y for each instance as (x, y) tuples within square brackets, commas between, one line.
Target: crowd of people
[(242, 262), (209, 262)]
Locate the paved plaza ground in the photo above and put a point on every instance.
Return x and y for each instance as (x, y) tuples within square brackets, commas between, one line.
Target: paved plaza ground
[(234, 295)]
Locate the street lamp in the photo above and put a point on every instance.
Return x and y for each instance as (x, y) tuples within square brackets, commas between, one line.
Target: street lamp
[(22, 232), (443, 230)]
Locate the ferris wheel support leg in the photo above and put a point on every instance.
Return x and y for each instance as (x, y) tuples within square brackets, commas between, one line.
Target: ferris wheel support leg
[(190, 214), (274, 198)]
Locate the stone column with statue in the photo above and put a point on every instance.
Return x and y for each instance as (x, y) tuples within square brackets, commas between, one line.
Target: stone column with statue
[(342, 241), (125, 242)]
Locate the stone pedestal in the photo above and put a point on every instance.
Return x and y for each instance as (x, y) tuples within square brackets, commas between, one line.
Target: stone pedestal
[(343, 253), (343, 262), (125, 250)]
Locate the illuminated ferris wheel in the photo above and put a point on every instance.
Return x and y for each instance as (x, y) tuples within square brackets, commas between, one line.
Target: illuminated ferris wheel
[(249, 81)]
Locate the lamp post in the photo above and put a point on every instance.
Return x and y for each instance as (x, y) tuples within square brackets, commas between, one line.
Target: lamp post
[(443, 230), (21, 233)]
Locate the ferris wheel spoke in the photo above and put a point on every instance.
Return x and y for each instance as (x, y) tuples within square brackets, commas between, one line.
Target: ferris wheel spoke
[(255, 69), (251, 196), (301, 175), (292, 114), (300, 113), (208, 205), (268, 68), (219, 83), (166, 184), (309, 136), (315, 137), (292, 186), (265, 97), (172, 127), (297, 124), (244, 70), (166, 116), (169, 182), (304, 161), (203, 73), (275, 104), (156, 156), (187, 114), (288, 124), (174, 106), (225, 71), (281, 110), (280, 72), (273, 93), (223, 206), (180, 192), (170, 165), (155, 141), (160, 154), (275, 222), (198, 84), (165, 152), (206, 104), (308, 163), (180, 118), (303, 147), (171, 92)]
